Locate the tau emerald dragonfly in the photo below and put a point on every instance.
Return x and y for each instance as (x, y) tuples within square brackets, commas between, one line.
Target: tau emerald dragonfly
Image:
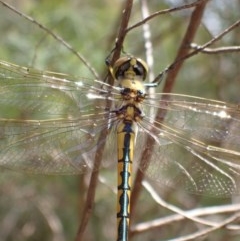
[(56, 123)]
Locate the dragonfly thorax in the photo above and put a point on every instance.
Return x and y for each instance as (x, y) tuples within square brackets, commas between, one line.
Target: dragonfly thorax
[(132, 89)]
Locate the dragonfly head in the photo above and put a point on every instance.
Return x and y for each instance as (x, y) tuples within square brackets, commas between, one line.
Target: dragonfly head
[(130, 72), (130, 68)]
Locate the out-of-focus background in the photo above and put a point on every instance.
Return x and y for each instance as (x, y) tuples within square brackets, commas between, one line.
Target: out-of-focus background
[(40, 207)]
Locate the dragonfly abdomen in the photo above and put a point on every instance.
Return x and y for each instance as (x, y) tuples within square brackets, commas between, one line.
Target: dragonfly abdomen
[(126, 136)]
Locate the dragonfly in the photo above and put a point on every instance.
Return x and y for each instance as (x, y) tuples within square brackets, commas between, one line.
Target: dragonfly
[(56, 123)]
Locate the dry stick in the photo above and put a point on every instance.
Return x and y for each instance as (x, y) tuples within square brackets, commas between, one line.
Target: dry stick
[(110, 39), (56, 37), (173, 208), (189, 35), (160, 222), (123, 23), (190, 214), (196, 51), (122, 32), (188, 38), (94, 177), (227, 49), (165, 11), (207, 231), (87, 210)]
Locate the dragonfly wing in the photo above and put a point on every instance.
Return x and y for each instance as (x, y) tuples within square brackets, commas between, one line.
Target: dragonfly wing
[(193, 142), (49, 122), (32, 94)]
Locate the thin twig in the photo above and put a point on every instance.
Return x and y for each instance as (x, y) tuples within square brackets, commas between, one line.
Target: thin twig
[(190, 215), (157, 223), (163, 221), (88, 205), (165, 11), (173, 208), (181, 214), (183, 51), (207, 231), (220, 50), (56, 37), (126, 13), (196, 51)]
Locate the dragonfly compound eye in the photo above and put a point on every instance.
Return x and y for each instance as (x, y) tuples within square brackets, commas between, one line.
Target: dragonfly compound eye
[(130, 66)]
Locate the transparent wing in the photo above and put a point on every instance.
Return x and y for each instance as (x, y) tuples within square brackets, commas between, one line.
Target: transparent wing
[(51, 123), (192, 142)]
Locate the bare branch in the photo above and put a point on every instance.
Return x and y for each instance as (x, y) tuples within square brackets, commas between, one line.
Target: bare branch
[(220, 50), (190, 215), (89, 203), (121, 34), (173, 208), (188, 38), (165, 11), (156, 223), (126, 13), (196, 51), (182, 214), (207, 231)]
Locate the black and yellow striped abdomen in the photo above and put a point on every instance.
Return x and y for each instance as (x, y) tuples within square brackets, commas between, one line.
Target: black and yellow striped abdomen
[(126, 133), (126, 137)]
